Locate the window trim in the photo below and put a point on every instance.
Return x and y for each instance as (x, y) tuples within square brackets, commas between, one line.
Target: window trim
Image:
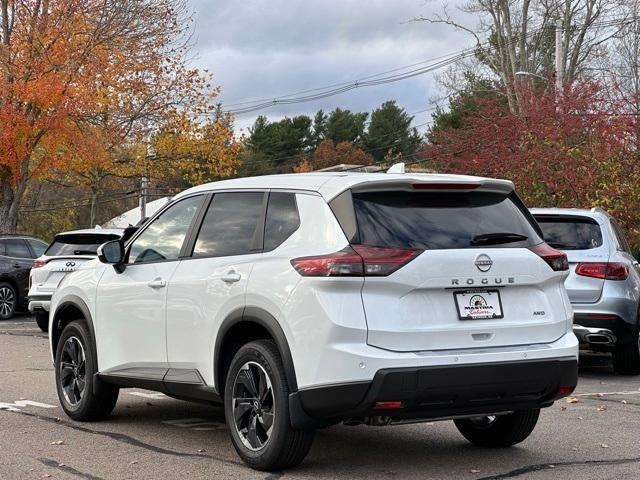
[(132, 240)]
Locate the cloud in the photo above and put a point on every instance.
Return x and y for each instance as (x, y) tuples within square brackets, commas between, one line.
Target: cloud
[(267, 48)]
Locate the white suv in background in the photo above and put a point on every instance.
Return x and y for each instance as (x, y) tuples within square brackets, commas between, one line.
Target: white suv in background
[(302, 301), (64, 255)]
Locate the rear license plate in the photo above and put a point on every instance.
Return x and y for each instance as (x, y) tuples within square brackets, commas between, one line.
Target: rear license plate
[(478, 304)]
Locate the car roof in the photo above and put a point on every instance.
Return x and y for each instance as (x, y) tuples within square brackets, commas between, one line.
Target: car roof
[(331, 184), (583, 212), (93, 231), (19, 235)]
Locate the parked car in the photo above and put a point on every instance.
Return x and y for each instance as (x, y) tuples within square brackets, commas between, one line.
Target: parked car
[(302, 301), (603, 282), (66, 253), (16, 255)]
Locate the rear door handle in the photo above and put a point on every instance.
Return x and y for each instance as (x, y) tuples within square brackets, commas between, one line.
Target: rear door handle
[(157, 283), (17, 265), (231, 277)]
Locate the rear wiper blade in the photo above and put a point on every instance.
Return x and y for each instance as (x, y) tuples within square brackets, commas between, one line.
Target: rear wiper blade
[(497, 238), (83, 252)]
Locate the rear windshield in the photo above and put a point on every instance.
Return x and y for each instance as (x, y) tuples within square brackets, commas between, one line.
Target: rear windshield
[(442, 220), (78, 244), (570, 233)]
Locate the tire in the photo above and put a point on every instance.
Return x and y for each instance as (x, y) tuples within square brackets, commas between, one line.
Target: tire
[(626, 358), (74, 377), (275, 447), (501, 431), (8, 301), (42, 319)]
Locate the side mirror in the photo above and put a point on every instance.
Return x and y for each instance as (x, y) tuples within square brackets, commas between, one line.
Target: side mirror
[(113, 253)]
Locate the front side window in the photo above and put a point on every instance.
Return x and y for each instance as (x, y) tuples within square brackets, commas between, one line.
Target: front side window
[(232, 225), (17, 248), (163, 238)]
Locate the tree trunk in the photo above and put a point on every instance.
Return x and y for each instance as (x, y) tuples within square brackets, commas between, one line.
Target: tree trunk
[(94, 208), (9, 207)]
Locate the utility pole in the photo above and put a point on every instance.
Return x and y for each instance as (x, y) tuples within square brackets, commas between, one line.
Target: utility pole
[(143, 198), (559, 59)]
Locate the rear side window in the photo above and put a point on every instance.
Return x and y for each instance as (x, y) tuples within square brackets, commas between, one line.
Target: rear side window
[(442, 220), (570, 232), (17, 248), (282, 219), (77, 244), (37, 246), (232, 225)]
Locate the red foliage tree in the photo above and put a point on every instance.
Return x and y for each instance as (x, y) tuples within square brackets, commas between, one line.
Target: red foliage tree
[(578, 150)]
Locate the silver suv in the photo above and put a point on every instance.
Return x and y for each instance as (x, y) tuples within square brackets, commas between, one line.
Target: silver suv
[(603, 282)]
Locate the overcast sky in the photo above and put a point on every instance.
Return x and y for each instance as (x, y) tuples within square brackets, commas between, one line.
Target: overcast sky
[(268, 48)]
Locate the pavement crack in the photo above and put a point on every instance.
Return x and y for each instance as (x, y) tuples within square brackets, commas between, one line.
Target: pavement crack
[(552, 465), (67, 469), (121, 437)]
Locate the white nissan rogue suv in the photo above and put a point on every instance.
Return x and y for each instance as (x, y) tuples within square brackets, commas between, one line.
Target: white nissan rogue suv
[(302, 301)]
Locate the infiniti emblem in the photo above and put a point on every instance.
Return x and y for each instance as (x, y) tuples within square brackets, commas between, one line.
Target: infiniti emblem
[(71, 264), (483, 262)]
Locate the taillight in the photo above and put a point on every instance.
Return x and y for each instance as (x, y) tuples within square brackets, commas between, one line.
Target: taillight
[(37, 263), (603, 270), (355, 261), (556, 259)]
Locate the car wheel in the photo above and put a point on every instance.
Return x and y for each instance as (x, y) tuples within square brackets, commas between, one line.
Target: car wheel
[(42, 319), (256, 404), (626, 358), (81, 398), (8, 301), (499, 431)]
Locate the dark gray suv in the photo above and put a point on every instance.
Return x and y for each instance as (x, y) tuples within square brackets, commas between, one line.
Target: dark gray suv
[(17, 253), (603, 282)]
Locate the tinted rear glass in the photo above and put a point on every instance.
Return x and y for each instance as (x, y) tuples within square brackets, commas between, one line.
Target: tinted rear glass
[(77, 244), (282, 219), (442, 220), (570, 233)]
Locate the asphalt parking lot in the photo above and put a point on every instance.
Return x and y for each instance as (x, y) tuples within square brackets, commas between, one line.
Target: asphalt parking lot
[(595, 436)]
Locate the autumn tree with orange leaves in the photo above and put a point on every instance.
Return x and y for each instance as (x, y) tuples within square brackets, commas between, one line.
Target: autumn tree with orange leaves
[(84, 83)]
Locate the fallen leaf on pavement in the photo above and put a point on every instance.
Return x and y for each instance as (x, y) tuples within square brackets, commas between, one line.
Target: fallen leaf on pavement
[(58, 442), (201, 450), (133, 462), (473, 470), (572, 400), (604, 445), (602, 408), (624, 401)]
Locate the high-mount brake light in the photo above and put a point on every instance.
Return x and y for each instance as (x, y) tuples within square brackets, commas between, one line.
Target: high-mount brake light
[(37, 263), (556, 259), (603, 270), (445, 186), (355, 261)]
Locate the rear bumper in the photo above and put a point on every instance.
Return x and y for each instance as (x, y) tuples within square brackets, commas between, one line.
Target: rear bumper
[(591, 327), (441, 391), (39, 303)]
